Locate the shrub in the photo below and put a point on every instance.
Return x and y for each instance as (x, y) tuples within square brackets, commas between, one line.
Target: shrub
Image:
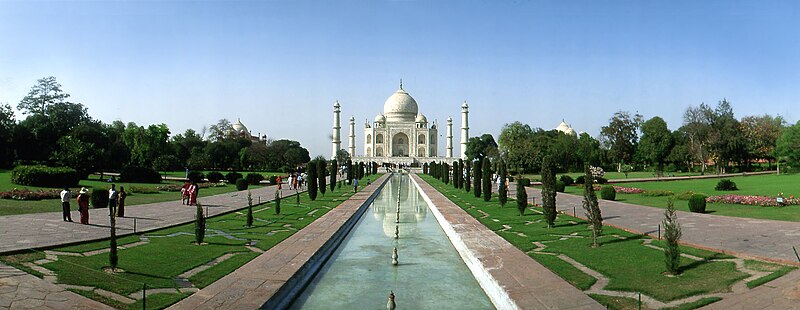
[(99, 198), (44, 176), (254, 178), (214, 176), (525, 181), (273, 179), (241, 184), (608, 193), (580, 180), (26, 194), (143, 190), (566, 179), (697, 203), (133, 174), (560, 186), (686, 195), (196, 176), (726, 185), (231, 177), (657, 193), (600, 180)]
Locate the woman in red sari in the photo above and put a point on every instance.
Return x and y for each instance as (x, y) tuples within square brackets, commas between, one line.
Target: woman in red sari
[(83, 205), (194, 190), (185, 193)]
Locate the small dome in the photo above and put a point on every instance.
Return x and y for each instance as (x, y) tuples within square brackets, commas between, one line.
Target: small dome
[(337, 105), (380, 118), (421, 118), (400, 107), (465, 105), (565, 128), (239, 128)]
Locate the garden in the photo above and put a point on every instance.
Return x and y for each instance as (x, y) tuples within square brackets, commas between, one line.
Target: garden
[(626, 269)]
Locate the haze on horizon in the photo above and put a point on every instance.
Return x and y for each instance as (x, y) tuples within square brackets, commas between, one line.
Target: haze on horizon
[(279, 66)]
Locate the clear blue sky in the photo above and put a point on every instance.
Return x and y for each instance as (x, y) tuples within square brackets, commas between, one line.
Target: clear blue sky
[(280, 65)]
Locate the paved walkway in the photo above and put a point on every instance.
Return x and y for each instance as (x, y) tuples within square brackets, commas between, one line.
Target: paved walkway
[(292, 261), (764, 239), (19, 290), (514, 280), (783, 293), (26, 231)]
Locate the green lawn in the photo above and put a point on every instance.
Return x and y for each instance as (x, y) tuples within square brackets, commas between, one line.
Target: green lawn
[(170, 252), (622, 257), (11, 207), (762, 185)]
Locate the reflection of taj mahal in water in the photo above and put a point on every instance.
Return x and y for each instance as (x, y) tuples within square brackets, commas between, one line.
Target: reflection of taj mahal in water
[(400, 134)]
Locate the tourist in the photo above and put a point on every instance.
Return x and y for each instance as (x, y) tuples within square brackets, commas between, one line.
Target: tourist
[(355, 184), (66, 195), (194, 190), (112, 200), (121, 201), (185, 193), (83, 205), (278, 181), (294, 181)]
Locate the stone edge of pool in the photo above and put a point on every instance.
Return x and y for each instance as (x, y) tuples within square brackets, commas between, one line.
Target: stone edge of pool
[(510, 278), (273, 279)]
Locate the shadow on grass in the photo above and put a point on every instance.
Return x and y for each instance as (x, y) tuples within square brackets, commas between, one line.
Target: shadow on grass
[(616, 240), (147, 275)]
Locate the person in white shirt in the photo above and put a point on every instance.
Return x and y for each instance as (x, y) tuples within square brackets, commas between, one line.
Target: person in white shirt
[(66, 195), (112, 200)]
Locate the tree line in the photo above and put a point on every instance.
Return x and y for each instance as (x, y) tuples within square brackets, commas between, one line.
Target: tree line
[(58, 132)]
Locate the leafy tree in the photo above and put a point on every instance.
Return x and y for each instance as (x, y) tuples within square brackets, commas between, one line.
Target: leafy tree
[(672, 234), (166, 163), (334, 171), (79, 155), (198, 160), (342, 156), (45, 93), (312, 180), (591, 206), (727, 141), (588, 149), (549, 191), (7, 127), (656, 143), (522, 197), (221, 130), (697, 130), (183, 144), (467, 174), (322, 168), (478, 176), (788, 145), (481, 147), (503, 190), (517, 143), (761, 134), (486, 171), (620, 136)]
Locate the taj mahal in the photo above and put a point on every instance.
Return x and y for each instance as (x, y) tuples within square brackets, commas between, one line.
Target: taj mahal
[(400, 135)]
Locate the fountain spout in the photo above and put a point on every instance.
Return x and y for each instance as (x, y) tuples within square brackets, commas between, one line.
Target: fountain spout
[(394, 256), (390, 305), (396, 231)]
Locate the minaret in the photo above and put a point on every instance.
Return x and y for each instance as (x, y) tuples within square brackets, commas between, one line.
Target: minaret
[(351, 145), (464, 129), (337, 129), (449, 137)]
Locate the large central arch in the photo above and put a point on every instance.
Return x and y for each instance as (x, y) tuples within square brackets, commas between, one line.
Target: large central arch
[(400, 145)]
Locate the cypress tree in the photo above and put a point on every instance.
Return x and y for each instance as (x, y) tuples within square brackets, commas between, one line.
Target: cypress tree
[(334, 171), (322, 167), (446, 173), (113, 259), (460, 173), (522, 197), (455, 174), (350, 174), (672, 234), (277, 202), (199, 225), (312, 180), (360, 172), (487, 181), (425, 168), (250, 208), (468, 175), (374, 168), (548, 190), (591, 207), (503, 190), (477, 178)]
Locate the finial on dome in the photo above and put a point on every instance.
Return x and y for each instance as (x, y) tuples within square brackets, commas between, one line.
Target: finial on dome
[(401, 83)]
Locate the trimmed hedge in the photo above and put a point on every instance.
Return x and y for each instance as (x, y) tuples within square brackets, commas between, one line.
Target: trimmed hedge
[(560, 186), (241, 184), (99, 198), (214, 176), (196, 176), (44, 176), (726, 185), (697, 203), (601, 180), (273, 179), (254, 178), (566, 179), (132, 174), (580, 179), (608, 193), (231, 177)]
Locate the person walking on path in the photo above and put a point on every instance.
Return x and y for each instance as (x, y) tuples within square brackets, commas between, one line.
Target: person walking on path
[(279, 181), (66, 195), (83, 205), (194, 190), (355, 185), (121, 201), (112, 200), (185, 193)]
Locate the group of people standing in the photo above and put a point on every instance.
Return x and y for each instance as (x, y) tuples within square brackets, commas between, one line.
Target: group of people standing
[(189, 193), (116, 203), (296, 181)]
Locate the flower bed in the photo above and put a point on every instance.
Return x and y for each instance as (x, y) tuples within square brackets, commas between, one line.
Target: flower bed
[(764, 201), (26, 194), (628, 190)]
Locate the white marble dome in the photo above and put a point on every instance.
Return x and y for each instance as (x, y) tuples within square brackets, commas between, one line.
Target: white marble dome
[(400, 107), (421, 118), (380, 118), (565, 128), (239, 128)]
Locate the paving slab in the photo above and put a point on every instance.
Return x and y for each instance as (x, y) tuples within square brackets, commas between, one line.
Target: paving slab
[(19, 290)]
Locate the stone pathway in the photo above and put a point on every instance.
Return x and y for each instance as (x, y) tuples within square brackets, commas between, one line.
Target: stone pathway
[(19, 290)]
